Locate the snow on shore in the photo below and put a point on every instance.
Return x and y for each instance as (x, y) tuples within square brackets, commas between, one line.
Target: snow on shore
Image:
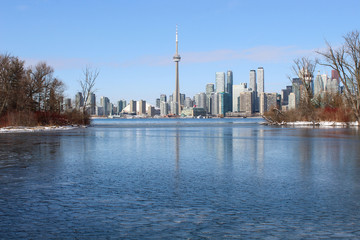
[(16, 129), (320, 124)]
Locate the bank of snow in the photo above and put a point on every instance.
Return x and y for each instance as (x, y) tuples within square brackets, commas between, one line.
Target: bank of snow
[(13, 129), (319, 124)]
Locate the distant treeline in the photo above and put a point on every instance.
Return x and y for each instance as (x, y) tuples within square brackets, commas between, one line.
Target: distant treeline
[(32, 96)]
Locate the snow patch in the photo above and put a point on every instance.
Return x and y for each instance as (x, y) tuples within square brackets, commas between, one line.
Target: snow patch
[(13, 129), (321, 124)]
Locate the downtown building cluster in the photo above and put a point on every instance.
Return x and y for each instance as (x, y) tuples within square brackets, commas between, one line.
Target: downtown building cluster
[(224, 98), (221, 98), (105, 108)]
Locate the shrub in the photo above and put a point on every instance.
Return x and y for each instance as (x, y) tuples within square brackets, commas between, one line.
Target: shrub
[(28, 118)]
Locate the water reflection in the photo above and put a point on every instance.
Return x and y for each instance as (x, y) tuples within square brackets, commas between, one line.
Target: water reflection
[(181, 181)]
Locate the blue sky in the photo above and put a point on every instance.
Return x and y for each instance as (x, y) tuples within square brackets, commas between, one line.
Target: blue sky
[(132, 42)]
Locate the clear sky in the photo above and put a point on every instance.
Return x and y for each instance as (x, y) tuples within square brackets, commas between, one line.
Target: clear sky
[(132, 42)]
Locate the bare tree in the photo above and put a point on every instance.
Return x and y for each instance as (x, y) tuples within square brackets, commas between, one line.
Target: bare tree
[(304, 69), (41, 77), (346, 61), (87, 84), (12, 74)]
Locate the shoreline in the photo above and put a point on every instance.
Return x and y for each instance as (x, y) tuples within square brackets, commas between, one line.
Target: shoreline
[(322, 124), (315, 124), (23, 129)]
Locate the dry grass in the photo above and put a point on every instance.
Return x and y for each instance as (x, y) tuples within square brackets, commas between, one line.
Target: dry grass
[(27, 118), (318, 115)]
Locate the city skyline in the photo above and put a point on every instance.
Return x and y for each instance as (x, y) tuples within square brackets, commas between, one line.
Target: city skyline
[(131, 43)]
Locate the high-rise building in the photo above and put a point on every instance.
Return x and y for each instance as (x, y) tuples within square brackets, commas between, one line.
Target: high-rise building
[(111, 109), (235, 98), (164, 106), (220, 82), (202, 101), (223, 103), (259, 86), (246, 102), (267, 101), (332, 86), (260, 81), (163, 98), (252, 80), (151, 111), (197, 99), (292, 101), (176, 59), (209, 90), (318, 85), (142, 107), (188, 102), (99, 111), (237, 89), (91, 104), (157, 103), (229, 86), (133, 107), (182, 99), (79, 100), (174, 108), (105, 104), (121, 105), (296, 88), (285, 95), (215, 103)]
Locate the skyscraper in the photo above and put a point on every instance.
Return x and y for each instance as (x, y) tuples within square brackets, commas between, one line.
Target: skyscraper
[(163, 98), (164, 108), (121, 105), (229, 86), (220, 82), (318, 85), (259, 87), (91, 104), (252, 81), (133, 107), (202, 100), (209, 88), (142, 107), (158, 102), (79, 100), (266, 102), (105, 103), (188, 102), (182, 98), (235, 98), (260, 81), (215, 103), (176, 59), (253, 88), (209, 91)]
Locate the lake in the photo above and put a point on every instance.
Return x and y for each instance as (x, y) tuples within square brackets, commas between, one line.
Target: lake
[(181, 179)]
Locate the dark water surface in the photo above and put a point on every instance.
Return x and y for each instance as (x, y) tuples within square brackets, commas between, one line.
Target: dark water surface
[(197, 179)]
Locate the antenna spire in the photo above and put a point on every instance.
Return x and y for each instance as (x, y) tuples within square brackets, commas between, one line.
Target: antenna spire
[(176, 32)]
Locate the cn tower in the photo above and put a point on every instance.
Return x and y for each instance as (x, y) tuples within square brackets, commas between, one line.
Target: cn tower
[(176, 59)]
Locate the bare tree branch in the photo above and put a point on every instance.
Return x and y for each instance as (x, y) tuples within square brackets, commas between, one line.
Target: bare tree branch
[(346, 61), (87, 84)]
